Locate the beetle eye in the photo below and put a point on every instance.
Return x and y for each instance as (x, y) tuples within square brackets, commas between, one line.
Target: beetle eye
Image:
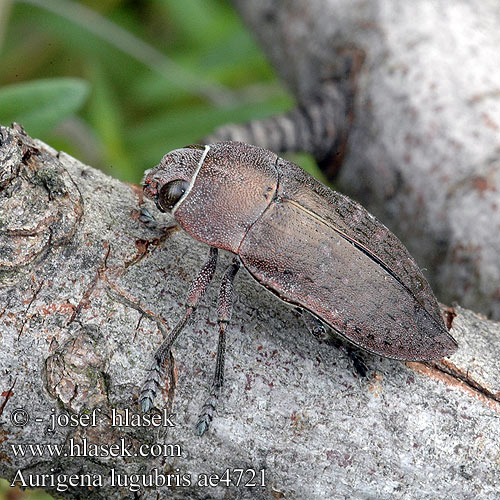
[(171, 193)]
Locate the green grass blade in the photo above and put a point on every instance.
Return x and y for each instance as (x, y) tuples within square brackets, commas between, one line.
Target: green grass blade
[(39, 105)]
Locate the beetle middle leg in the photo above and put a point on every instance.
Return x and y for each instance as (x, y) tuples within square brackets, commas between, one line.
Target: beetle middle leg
[(196, 291), (224, 309), (319, 330), (315, 326)]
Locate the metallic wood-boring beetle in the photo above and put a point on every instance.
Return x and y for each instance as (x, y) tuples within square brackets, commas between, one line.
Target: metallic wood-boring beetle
[(312, 247)]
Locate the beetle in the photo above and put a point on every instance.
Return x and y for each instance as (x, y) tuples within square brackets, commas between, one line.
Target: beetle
[(311, 246)]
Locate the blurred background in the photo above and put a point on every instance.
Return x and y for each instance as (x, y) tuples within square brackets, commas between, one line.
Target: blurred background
[(118, 83)]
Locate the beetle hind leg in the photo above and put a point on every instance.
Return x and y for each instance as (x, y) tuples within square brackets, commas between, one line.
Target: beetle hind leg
[(196, 291), (224, 309), (320, 331), (357, 359)]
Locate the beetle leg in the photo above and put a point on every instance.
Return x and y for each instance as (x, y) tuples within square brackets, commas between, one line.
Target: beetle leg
[(319, 330), (151, 223), (315, 326), (354, 355), (224, 309), (196, 291)]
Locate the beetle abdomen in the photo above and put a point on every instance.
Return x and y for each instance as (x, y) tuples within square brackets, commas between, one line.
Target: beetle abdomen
[(300, 257)]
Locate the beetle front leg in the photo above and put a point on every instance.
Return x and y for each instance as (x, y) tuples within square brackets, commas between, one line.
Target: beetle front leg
[(319, 330), (196, 291), (224, 309), (151, 223)]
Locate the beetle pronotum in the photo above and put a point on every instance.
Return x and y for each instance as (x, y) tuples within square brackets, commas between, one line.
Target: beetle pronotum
[(311, 246)]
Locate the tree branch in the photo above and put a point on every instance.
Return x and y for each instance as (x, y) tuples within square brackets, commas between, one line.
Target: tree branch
[(84, 289)]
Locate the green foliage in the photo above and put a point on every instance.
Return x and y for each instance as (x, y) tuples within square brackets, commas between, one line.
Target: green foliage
[(118, 83), (40, 104)]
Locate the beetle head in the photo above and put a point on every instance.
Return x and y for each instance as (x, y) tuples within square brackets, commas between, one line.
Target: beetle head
[(166, 183)]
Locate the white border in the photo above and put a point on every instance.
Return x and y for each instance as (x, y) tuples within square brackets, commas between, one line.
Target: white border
[(193, 179)]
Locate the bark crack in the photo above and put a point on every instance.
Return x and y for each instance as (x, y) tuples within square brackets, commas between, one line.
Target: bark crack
[(170, 365), (449, 374), (99, 275), (30, 303), (7, 395)]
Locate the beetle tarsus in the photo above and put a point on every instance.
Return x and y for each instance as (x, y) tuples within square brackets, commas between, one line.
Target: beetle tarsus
[(149, 388), (196, 291), (224, 309), (207, 411), (154, 382)]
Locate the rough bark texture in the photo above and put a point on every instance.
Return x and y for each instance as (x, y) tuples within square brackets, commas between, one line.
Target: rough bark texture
[(423, 152), (83, 287)]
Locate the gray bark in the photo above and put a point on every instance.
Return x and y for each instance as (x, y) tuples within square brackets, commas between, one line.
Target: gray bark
[(423, 152), (83, 288)]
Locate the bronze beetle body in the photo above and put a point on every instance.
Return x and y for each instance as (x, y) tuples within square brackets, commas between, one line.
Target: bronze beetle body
[(312, 247)]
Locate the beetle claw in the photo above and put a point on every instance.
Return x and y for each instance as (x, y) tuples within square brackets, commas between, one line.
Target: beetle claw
[(147, 219), (146, 402), (203, 424), (201, 427)]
